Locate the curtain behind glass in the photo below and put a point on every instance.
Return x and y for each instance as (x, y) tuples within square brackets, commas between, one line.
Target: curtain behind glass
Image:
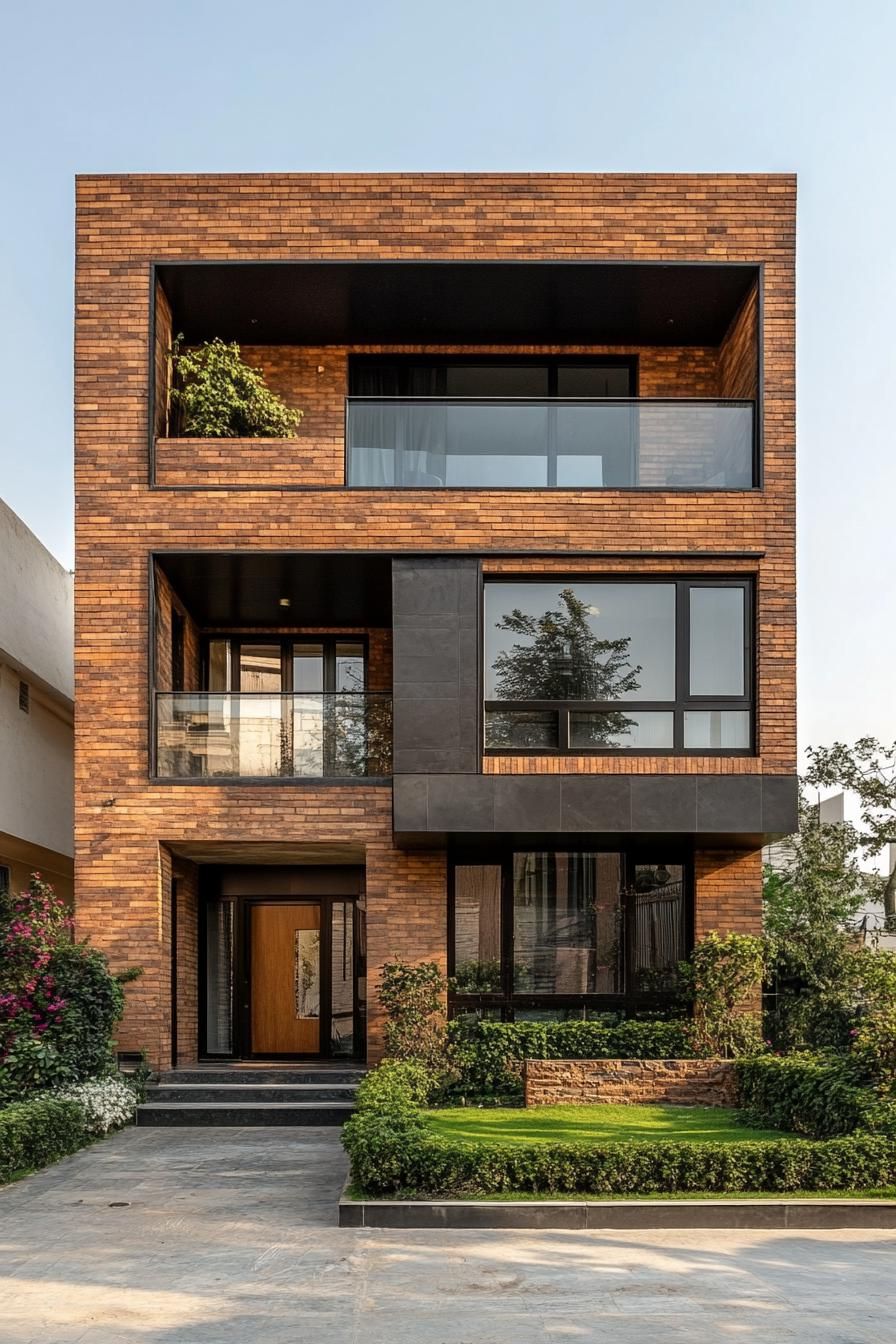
[(397, 443)]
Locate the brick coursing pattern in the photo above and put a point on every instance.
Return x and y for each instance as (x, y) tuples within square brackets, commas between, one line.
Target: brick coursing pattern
[(630, 1082), (128, 826)]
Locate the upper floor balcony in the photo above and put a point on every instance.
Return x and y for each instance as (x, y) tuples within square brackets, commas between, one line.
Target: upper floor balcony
[(475, 376), (271, 667)]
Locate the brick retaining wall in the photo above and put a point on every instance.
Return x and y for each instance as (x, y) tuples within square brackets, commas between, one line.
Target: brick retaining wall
[(683, 1082)]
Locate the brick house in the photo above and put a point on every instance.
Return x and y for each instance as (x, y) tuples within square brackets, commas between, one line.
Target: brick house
[(494, 662)]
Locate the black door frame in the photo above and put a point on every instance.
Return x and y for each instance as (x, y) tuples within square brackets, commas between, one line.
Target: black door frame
[(241, 1028)]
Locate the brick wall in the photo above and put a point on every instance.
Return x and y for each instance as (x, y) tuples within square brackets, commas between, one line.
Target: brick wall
[(738, 369), (630, 1082), (125, 823)]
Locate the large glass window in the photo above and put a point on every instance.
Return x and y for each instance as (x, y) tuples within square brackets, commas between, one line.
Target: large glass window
[(583, 666), (565, 932), (477, 928), (567, 923)]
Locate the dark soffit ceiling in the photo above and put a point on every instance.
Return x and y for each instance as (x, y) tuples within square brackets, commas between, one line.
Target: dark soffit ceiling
[(232, 590), (475, 303)]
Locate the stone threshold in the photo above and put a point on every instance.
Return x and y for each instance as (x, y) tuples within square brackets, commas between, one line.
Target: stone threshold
[(610, 1215)]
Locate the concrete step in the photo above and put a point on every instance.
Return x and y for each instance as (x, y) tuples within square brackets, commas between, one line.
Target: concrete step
[(235, 1114), (243, 1093), (217, 1075)]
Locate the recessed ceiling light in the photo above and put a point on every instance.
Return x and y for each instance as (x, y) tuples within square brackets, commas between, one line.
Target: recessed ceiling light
[(285, 602)]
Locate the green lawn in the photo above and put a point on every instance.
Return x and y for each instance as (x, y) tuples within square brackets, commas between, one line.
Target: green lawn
[(595, 1124)]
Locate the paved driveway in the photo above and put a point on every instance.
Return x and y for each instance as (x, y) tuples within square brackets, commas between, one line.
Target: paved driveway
[(226, 1236)]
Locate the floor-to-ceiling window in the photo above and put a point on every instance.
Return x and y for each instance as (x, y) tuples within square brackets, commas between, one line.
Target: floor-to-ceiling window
[(566, 933)]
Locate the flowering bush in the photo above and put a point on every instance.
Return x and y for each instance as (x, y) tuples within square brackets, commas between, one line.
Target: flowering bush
[(58, 1000), (107, 1103)]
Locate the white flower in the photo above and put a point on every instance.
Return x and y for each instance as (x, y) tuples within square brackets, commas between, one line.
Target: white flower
[(107, 1103)]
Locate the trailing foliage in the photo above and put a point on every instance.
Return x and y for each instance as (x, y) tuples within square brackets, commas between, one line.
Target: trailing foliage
[(218, 396), (720, 977), (487, 1056), (37, 1132), (413, 998)]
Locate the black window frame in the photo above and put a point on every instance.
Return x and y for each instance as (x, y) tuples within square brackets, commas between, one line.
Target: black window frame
[(441, 363), (683, 700), (287, 643), (505, 1002)]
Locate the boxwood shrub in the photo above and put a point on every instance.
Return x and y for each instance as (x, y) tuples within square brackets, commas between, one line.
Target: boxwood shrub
[(811, 1094), (393, 1154), (35, 1133), (488, 1055)]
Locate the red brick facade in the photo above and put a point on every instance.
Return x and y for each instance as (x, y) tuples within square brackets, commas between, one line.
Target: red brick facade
[(130, 828)]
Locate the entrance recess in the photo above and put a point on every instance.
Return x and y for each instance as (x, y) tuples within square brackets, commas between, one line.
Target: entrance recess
[(283, 973)]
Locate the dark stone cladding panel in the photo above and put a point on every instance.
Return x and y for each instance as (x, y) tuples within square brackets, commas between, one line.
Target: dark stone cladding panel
[(750, 808), (435, 620)]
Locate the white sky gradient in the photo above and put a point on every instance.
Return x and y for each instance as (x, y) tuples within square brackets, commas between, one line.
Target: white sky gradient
[(496, 85)]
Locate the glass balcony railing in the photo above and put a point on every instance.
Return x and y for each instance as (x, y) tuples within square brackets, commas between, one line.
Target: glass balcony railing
[(668, 445), (346, 735)]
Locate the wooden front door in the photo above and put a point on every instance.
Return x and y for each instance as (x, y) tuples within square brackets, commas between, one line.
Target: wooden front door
[(285, 971)]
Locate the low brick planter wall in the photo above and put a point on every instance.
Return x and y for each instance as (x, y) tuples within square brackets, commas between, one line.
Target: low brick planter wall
[(681, 1082)]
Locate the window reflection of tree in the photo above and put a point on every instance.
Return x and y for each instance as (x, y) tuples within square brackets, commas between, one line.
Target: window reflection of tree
[(562, 659)]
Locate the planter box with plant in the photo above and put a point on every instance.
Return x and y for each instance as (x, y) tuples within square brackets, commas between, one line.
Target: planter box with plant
[(213, 394)]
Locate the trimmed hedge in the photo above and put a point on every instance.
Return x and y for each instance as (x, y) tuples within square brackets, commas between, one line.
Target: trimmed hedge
[(489, 1053), (36, 1133), (404, 1161), (811, 1094), (393, 1153)]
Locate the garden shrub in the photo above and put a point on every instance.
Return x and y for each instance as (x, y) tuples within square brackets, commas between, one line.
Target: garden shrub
[(396, 1085), (809, 1094), (417, 1164), (59, 1002), (413, 997), (37, 1132), (487, 1056), (720, 977)]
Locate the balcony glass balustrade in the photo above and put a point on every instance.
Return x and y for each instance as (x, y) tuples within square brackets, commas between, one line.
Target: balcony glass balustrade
[(343, 735), (430, 442)]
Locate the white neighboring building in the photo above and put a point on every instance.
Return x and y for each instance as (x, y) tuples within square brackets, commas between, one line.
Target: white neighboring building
[(36, 710)]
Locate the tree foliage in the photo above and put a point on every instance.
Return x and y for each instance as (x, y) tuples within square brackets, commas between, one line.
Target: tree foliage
[(867, 769), (807, 903), (219, 396)]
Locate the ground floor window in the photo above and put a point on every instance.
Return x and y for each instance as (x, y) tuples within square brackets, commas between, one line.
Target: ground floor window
[(567, 933)]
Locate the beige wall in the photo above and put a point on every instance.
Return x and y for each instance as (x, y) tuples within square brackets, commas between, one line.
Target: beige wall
[(36, 743)]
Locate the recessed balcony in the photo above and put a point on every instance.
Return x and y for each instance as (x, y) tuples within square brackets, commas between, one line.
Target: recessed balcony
[(271, 667), (548, 375)]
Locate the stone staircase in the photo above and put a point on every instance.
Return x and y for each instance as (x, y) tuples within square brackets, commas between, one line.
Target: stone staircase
[(252, 1094)]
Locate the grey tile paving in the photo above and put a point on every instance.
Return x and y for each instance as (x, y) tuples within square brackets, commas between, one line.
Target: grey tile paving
[(228, 1236)]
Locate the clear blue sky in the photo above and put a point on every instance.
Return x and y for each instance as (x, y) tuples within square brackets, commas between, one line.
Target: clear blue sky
[(694, 85)]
